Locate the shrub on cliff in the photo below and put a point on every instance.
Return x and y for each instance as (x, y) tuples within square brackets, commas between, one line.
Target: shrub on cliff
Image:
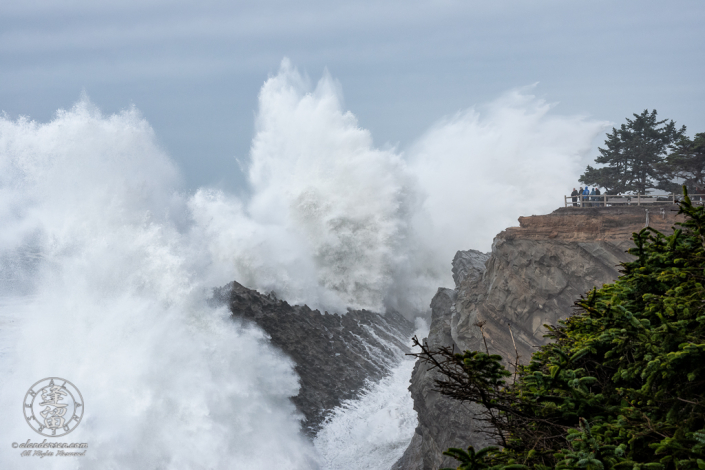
[(622, 385)]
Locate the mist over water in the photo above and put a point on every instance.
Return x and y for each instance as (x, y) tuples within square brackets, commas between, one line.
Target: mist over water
[(329, 219), (484, 167), (336, 222), (105, 265), (114, 301)]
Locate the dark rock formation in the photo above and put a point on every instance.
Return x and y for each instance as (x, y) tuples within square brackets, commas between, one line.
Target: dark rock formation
[(532, 277), (458, 425), (335, 355)]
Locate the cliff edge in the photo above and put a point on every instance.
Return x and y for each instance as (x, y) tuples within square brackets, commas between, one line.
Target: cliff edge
[(532, 277)]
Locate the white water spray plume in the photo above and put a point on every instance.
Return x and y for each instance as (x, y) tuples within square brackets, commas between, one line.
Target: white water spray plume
[(373, 431), (105, 266)]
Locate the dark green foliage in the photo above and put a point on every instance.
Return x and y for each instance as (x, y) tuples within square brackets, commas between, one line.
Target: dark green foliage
[(472, 459), (634, 155), (621, 386), (687, 162)]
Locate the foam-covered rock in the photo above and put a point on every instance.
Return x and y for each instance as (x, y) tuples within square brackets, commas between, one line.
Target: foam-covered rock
[(335, 355)]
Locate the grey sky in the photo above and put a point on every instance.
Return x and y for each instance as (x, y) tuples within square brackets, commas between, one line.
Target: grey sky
[(194, 69)]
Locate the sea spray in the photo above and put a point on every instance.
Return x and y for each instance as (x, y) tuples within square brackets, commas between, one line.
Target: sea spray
[(372, 431), (335, 222), (330, 211), (113, 300), (105, 265), (482, 168)]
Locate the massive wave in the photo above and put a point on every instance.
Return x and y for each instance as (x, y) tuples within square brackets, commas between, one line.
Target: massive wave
[(336, 222), (105, 264)]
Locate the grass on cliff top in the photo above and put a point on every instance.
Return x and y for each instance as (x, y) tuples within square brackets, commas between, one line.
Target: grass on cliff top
[(622, 384)]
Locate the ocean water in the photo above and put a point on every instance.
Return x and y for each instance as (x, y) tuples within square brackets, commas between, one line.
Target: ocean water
[(373, 431), (106, 265)]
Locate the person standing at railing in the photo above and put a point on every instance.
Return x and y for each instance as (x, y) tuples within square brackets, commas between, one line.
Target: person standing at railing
[(574, 196), (592, 198), (598, 198), (586, 196)]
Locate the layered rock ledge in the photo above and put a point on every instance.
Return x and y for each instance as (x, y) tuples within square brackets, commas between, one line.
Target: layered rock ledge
[(593, 223)]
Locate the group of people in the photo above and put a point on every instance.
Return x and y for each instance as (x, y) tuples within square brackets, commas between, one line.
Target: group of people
[(585, 195)]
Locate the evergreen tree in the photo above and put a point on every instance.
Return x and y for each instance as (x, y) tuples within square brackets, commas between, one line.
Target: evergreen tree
[(687, 162), (622, 385), (633, 155)]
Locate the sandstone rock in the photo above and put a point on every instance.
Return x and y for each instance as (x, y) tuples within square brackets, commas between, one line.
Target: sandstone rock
[(532, 277), (536, 272)]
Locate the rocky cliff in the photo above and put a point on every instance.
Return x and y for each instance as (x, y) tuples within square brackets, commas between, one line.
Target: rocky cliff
[(443, 422), (335, 355), (532, 277)]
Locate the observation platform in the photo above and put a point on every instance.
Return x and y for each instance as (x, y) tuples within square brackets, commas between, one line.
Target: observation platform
[(607, 200)]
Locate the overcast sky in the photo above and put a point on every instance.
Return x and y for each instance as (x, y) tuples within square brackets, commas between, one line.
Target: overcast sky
[(194, 68)]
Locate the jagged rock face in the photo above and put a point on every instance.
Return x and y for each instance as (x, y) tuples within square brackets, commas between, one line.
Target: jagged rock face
[(468, 264), (458, 424), (538, 270), (335, 355), (529, 283), (532, 277)]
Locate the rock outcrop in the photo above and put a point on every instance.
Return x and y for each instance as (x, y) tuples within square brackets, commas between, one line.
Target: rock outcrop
[(536, 272), (458, 425), (468, 265), (335, 355), (532, 277)]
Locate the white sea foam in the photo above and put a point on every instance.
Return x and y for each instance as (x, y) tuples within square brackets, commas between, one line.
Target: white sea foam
[(114, 302), (328, 221), (104, 265), (336, 222), (373, 431)]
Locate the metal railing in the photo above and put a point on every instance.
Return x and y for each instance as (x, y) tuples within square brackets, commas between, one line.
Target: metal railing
[(604, 200)]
